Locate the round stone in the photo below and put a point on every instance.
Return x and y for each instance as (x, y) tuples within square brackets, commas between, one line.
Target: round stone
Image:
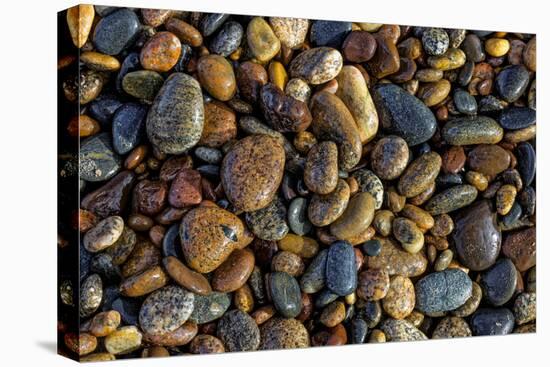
[(238, 331), (359, 46), (285, 294), (227, 40), (280, 333), (435, 41), (373, 285), (165, 310), (161, 52), (210, 307), (389, 157)]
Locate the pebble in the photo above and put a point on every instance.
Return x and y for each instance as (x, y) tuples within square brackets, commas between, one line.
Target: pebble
[(103, 108), (285, 294), (313, 279), (211, 22), (373, 284), (104, 234), (451, 199), (359, 46), (476, 236), (288, 262), (505, 199), (530, 54), (472, 130), (525, 308), (520, 247), (403, 114), (184, 31), (81, 343), (208, 236), (250, 79), (499, 282), (104, 323), (512, 82), (325, 209), (144, 256), (99, 62), (281, 333), (233, 272), (165, 310), (111, 198), (128, 127), (321, 168), (123, 341), (410, 236), (443, 291), (328, 33), (492, 321), (317, 65), (161, 52), (269, 223), (341, 275), (390, 157), (359, 330), (443, 260), (227, 40), (464, 102), (489, 159), (220, 125), (451, 327), (155, 17), (372, 247), (185, 189), (304, 247), (356, 218), (252, 171), (299, 89), (116, 31), (238, 331), (144, 283), (284, 113), (263, 43), (473, 48), (98, 160), (209, 155), (471, 304), (292, 32), (527, 161), (206, 344), (210, 307), (420, 174), (175, 120), (217, 77), (185, 277), (298, 220), (400, 299), (497, 47), (91, 295), (452, 59), (80, 19), (386, 57), (142, 84), (397, 261), (333, 121), (435, 41), (401, 330), (517, 118)]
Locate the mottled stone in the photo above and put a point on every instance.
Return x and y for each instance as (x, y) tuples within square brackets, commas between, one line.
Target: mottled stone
[(472, 130), (359, 46), (238, 331), (451, 327), (207, 308), (211, 22), (420, 174), (451, 199), (317, 65), (250, 79), (452, 59), (263, 43), (175, 120), (400, 299), (403, 114), (116, 31), (91, 295), (291, 32), (435, 41), (521, 248), (407, 232), (206, 344), (325, 209), (298, 220), (476, 236), (517, 118), (489, 159), (314, 277), (401, 330), (443, 291), (252, 171), (227, 40), (356, 218), (220, 125), (234, 271), (321, 168), (328, 33), (373, 284), (165, 310), (97, 159), (142, 84), (104, 234), (161, 52), (341, 275), (185, 189), (269, 223), (104, 323), (390, 157), (525, 308), (397, 261), (283, 113), (123, 341)]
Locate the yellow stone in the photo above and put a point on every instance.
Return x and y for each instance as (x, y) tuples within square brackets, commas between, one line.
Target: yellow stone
[(262, 42), (497, 47), (278, 74), (302, 246), (100, 62), (452, 59), (80, 19)]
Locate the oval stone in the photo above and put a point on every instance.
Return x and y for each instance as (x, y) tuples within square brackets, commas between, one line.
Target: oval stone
[(185, 277), (476, 236), (281, 333), (489, 159), (291, 31), (492, 321), (420, 174), (443, 291), (238, 331), (512, 82), (252, 171), (394, 260), (161, 52), (128, 127), (142, 84), (517, 118), (263, 43), (356, 218), (268, 223), (285, 294), (97, 158), (325, 209), (527, 161), (233, 272), (104, 234), (499, 282), (472, 130), (116, 31), (228, 39), (341, 274), (317, 65), (314, 277), (403, 114), (521, 248), (451, 199), (207, 308), (176, 118), (217, 77), (321, 168), (401, 330), (298, 216), (329, 33), (390, 157), (333, 121), (165, 310)]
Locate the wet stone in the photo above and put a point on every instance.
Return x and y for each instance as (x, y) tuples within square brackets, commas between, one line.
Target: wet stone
[(217, 77), (488, 159), (520, 247), (512, 82), (228, 39), (165, 310), (161, 52), (116, 31), (356, 218), (185, 277), (284, 113), (399, 302), (359, 46), (325, 209), (142, 84), (401, 330), (464, 102), (280, 333), (123, 341), (91, 295), (285, 294), (298, 216), (341, 275), (98, 161), (262, 42), (517, 118), (238, 331), (329, 33), (313, 280), (443, 291), (373, 284), (435, 41), (389, 157), (128, 127), (525, 308), (233, 273), (321, 168), (395, 260), (207, 308), (527, 160), (451, 199), (492, 321), (369, 182), (211, 22), (104, 234), (472, 130), (499, 282), (419, 175), (403, 114)]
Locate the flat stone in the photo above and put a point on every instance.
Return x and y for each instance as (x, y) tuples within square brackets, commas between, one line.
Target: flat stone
[(165, 310), (269, 223), (443, 291), (341, 275), (116, 31), (97, 159), (472, 130)]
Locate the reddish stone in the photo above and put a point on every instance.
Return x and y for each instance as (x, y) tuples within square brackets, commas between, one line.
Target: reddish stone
[(453, 159), (150, 196), (521, 248), (186, 189)]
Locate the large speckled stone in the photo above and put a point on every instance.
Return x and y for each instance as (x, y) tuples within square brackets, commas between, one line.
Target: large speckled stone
[(403, 114), (269, 223), (353, 91), (420, 174), (165, 310), (116, 31), (97, 158), (390, 157), (443, 291), (291, 32), (472, 130), (400, 299), (341, 274), (325, 209), (451, 199), (252, 171), (280, 333), (208, 235), (317, 65), (476, 236), (333, 121), (321, 168), (207, 308), (175, 120), (401, 330), (238, 331), (395, 260)]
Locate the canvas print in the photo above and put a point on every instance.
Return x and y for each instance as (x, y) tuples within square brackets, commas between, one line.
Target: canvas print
[(231, 183)]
